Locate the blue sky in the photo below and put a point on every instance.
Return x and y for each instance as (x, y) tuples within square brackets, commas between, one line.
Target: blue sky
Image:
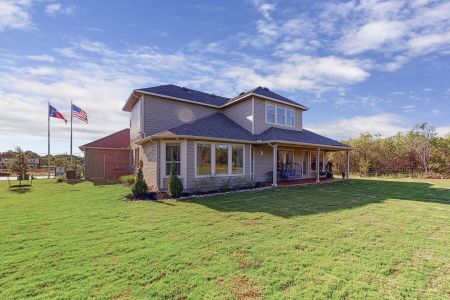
[(360, 66)]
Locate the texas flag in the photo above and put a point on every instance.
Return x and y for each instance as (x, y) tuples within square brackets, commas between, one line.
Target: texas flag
[(54, 113)]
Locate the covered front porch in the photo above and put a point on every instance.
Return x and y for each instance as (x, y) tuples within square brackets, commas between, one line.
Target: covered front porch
[(281, 164)]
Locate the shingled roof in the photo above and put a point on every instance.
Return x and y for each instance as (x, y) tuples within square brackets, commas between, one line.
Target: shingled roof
[(303, 136), (185, 94), (218, 126), (265, 92), (118, 140)]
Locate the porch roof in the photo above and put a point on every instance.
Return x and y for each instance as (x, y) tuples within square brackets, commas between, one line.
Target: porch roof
[(220, 127)]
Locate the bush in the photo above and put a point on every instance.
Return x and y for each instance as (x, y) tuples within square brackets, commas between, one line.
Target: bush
[(174, 186), (226, 185), (60, 179), (140, 187), (204, 185), (127, 180)]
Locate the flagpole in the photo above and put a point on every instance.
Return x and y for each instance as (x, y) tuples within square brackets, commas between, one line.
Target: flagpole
[(48, 137), (71, 118)]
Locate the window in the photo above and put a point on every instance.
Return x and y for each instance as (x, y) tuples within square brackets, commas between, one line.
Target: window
[(270, 113), (203, 159), (173, 158), (280, 114), (281, 111), (221, 159), (237, 159), (290, 117)]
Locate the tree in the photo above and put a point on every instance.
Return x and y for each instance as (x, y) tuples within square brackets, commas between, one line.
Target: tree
[(423, 136), (174, 186), (18, 164), (140, 187)]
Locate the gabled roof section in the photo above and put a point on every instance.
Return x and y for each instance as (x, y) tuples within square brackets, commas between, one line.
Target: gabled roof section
[(119, 140), (178, 93), (304, 136), (265, 93), (216, 126)]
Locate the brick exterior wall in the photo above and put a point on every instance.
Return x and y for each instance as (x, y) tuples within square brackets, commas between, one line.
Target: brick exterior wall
[(104, 163), (148, 153)]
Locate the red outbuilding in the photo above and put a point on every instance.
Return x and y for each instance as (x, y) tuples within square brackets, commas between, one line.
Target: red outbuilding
[(108, 158)]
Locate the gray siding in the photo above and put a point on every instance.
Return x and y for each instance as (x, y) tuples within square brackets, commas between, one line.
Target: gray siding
[(263, 163), (136, 121), (260, 117), (241, 113), (162, 114)]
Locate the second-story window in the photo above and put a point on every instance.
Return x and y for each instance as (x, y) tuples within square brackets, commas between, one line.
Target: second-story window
[(290, 117), (270, 113), (281, 115)]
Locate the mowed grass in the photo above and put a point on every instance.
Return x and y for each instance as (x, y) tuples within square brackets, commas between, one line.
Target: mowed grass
[(359, 239)]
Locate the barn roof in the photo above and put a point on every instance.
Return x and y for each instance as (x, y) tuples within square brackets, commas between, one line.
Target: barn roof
[(118, 140)]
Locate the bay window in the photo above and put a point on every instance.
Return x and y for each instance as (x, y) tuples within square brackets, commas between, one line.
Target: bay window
[(219, 159), (237, 158), (173, 158), (203, 159)]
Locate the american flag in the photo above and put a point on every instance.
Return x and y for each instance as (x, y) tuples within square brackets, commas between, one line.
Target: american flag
[(79, 113)]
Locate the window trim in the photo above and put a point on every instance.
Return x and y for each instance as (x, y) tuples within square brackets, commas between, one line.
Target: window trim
[(213, 159), (274, 113), (276, 106), (293, 116), (175, 161)]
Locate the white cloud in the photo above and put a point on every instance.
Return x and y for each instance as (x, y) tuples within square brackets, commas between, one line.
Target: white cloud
[(385, 124), (14, 14), (54, 8), (443, 130), (44, 57), (371, 36), (409, 108)]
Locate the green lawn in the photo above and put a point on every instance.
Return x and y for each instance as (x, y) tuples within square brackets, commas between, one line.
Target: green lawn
[(358, 239)]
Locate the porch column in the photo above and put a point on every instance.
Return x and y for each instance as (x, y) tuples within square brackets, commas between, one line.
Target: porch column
[(347, 165), (274, 166), (317, 165)]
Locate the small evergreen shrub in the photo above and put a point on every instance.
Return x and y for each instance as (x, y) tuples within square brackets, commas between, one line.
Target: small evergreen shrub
[(174, 186), (140, 187)]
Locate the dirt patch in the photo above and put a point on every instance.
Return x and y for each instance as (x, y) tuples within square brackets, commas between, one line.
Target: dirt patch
[(246, 288), (127, 294), (244, 259)]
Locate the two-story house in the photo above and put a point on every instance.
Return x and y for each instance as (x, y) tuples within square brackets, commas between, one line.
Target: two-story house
[(256, 135)]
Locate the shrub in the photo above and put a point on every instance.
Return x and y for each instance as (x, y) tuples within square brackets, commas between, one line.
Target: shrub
[(140, 187), (174, 186), (60, 179), (226, 185), (127, 180), (204, 185), (239, 182)]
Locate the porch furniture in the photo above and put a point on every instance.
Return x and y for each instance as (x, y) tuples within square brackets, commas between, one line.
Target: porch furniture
[(291, 171)]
